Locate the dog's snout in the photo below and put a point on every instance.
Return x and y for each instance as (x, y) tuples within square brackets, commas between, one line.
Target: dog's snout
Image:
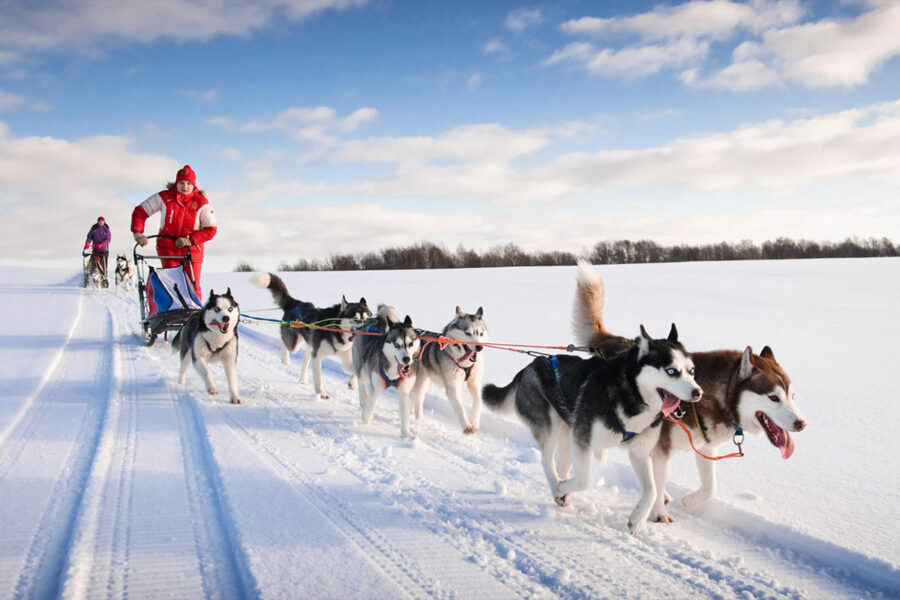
[(697, 393), (226, 318), (479, 348), (406, 360), (799, 425)]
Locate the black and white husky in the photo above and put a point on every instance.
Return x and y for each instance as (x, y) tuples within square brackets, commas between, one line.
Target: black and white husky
[(455, 365), (126, 274), (211, 335), (576, 407), (384, 355), (320, 343)]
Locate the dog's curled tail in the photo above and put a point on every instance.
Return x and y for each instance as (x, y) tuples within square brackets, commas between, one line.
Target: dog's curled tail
[(501, 399), (274, 284), (587, 310), (388, 313)]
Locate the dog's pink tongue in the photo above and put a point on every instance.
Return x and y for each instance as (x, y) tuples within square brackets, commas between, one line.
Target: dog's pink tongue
[(786, 445), (670, 403)]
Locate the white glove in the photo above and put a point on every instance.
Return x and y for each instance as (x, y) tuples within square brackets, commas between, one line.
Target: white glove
[(182, 242)]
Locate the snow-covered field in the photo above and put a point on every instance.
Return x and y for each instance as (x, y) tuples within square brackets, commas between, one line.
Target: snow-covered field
[(115, 481)]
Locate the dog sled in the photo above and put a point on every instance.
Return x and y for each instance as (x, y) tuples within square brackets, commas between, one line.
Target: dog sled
[(92, 269), (167, 295)]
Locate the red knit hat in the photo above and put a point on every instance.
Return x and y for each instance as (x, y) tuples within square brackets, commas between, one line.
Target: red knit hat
[(187, 174)]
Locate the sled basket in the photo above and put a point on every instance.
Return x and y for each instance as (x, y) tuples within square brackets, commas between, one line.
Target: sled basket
[(169, 289)]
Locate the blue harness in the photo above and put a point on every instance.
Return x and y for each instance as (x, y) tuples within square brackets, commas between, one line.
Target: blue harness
[(554, 363)]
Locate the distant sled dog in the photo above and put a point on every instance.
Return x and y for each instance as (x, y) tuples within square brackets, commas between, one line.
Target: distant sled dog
[(386, 360), (126, 274), (455, 365), (741, 391), (210, 335), (576, 407), (320, 344)]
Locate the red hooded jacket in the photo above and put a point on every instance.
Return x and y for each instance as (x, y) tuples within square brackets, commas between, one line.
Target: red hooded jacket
[(183, 215)]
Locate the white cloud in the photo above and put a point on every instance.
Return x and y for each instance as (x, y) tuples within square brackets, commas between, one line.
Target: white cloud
[(88, 24), (319, 124), (776, 49), (716, 19), (522, 18), (50, 187), (475, 81), (9, 100), (496, 47)]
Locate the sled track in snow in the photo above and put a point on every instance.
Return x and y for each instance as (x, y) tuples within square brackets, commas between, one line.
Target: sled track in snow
[(48, 410), (111, 555)]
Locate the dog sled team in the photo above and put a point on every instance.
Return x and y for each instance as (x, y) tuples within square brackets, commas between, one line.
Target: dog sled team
[(636, 393)]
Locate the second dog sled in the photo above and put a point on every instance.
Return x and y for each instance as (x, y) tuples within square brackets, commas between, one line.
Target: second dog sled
[(167, 295)]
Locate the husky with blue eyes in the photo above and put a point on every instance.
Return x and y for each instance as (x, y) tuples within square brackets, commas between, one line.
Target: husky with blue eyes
[(576, 408), (453, 365), (384, 354), (210, 335)]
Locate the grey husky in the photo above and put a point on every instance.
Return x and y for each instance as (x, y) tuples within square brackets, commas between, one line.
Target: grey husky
[(743, 392), (210, 335), (576, 407), (384, 355), (320, 343), (455, 365)]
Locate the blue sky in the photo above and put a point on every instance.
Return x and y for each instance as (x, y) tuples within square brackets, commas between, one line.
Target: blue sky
[(326, 126)]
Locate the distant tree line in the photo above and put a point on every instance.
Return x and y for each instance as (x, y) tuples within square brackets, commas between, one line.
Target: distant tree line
[(427, 255)]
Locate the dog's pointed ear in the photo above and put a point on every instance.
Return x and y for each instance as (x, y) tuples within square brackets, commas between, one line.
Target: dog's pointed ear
[(228, 293), (459, 312), (643, 341), (407, 321), (479, 312), (363, 301), (673, 334), (343, 302), (767, 353), (211, 294), (746, 364)]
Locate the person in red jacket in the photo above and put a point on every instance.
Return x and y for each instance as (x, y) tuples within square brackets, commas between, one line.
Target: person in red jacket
[(186, 216)]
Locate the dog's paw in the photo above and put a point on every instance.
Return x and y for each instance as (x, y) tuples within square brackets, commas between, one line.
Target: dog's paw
[(662, 517), (635, 528), (471, 429), (213, 390), (181, 381), (351, 384), (562, 500), (236, 400), (324, 396)]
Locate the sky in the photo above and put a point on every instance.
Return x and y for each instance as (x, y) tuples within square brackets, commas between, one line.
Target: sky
[(319, 127)]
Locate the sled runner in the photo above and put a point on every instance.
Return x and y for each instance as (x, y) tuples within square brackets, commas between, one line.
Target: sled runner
[(167, 296)]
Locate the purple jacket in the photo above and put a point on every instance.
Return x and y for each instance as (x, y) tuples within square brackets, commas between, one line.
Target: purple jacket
[(99, 236)]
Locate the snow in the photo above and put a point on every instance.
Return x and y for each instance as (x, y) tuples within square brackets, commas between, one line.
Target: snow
[(116, 481)]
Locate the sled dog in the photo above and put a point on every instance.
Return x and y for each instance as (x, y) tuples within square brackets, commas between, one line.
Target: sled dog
[(455, 365), (320, 343), (742, 393), (211, 335), (383, 361), (93, 276), (126, 274), (576, 407)]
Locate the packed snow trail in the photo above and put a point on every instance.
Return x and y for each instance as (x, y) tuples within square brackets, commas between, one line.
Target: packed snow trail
[(117, 482)]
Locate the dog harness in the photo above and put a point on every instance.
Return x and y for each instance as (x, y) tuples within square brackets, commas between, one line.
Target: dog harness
[(388, 382), (557, 375)]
